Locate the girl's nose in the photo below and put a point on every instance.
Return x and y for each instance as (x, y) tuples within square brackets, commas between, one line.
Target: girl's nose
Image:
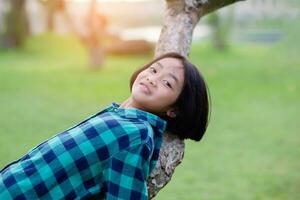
[(151, 81)]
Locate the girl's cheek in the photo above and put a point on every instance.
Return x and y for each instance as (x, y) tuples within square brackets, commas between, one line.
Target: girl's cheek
[(165, 93)]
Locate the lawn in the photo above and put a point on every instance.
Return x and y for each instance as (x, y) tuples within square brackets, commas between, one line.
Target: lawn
[(250, 151)]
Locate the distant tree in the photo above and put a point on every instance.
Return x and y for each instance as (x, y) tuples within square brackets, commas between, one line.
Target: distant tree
[(94, 28), (53, 7), (221, 26), (16, 26)]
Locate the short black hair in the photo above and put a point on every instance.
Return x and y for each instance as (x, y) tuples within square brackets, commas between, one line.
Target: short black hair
[(193, 102)]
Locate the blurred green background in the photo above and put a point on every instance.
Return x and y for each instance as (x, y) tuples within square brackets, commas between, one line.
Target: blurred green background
[(251, 148)]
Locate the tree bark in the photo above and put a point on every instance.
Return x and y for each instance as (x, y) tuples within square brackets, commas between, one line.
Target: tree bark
[(180, 19)]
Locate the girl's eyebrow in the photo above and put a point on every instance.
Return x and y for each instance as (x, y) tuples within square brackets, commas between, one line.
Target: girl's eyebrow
[(172, 75)]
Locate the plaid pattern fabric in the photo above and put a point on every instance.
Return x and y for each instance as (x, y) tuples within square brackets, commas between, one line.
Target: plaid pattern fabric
[(109, 155)]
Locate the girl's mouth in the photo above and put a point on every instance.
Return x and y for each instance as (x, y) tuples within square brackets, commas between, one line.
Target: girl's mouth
[(145, 88)]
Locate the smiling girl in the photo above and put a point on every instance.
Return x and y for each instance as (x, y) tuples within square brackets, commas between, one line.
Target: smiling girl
[(111, 154)]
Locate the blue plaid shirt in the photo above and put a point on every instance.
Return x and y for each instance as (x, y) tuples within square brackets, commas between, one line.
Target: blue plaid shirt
[(107, 156)]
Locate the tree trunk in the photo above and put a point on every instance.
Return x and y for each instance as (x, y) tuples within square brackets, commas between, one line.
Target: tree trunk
[(96, 56), (219, 39), (181, 16), (54, 7), (221, 27), (95, 25), (15, 24), (92, 37)]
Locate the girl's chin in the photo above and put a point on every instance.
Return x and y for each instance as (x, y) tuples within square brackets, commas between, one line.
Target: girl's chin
[(138, 92)]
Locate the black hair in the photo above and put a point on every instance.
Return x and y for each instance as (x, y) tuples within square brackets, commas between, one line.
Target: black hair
[(193, 103)]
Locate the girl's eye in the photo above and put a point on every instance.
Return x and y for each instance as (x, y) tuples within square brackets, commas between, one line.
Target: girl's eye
[(152, 69), (168, 84)]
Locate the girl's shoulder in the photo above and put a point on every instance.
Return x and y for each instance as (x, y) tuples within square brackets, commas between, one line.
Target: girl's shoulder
[(117, 128), (114, 131)]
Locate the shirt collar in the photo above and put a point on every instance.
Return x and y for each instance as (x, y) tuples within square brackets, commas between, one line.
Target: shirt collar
[(156, 122)]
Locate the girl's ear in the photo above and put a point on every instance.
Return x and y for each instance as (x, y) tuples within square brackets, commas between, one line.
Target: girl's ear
[(172, 112)]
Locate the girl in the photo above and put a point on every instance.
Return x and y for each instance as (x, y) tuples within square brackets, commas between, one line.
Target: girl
[(110, 154)]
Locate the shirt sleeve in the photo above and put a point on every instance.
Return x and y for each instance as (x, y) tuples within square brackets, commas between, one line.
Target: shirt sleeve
[(127, 173)]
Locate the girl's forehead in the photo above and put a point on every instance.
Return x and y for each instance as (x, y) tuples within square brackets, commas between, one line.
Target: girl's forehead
[(169, 63)]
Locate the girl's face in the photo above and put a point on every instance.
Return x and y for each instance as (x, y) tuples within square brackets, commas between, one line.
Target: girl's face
[(156, 88)]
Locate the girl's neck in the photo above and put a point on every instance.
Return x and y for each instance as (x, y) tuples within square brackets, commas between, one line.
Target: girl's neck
[(128, 103)]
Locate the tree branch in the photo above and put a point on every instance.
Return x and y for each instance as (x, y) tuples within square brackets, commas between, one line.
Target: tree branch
[(213, 5), (181, 17)]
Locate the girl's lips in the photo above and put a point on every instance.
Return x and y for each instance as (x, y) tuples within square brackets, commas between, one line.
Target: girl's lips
[(145, 88)]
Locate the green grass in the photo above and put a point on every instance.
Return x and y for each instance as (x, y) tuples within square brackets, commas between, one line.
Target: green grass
[(250, 151)]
